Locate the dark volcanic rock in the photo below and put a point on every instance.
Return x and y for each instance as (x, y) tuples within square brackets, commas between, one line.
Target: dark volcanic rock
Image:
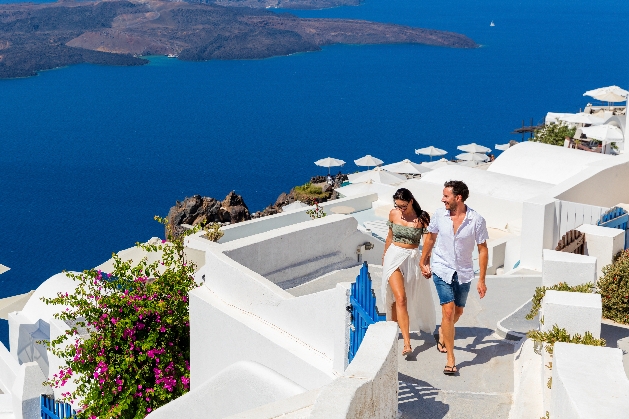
[(197, 209), (235, 208)]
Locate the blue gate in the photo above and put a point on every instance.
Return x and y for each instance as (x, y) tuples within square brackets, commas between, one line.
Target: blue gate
[(363, 310), (616, 218), (52, 409)]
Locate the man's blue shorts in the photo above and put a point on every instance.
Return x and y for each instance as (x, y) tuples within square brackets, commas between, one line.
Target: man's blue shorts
[(451, 292)]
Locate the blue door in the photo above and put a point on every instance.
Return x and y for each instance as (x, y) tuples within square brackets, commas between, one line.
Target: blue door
[(363, 310), (52, 409)]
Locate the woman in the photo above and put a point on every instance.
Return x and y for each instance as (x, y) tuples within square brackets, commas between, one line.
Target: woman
[(406, 293)]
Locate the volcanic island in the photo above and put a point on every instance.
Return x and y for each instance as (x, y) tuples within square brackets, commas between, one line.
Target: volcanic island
[(35, 37)]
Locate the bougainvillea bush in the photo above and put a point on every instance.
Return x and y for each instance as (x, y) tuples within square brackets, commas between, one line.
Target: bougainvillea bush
[(129, 349), (614, 289)]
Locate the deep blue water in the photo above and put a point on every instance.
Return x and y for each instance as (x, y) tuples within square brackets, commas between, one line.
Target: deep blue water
[(88, 154)]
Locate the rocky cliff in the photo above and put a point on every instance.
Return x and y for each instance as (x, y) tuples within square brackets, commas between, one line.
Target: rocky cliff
[(197, 209)]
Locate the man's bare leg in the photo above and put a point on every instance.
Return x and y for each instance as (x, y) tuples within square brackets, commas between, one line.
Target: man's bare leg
[(450, 315), (458, 311)]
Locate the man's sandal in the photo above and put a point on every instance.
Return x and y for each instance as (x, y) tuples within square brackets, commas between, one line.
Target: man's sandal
[(441, 346), (450, 370), (408, 351)]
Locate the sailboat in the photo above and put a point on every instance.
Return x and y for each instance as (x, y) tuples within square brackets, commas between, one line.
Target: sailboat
[(492, 23)]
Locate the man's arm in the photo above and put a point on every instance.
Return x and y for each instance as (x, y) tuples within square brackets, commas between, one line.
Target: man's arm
[(483, 258), (424, 262)]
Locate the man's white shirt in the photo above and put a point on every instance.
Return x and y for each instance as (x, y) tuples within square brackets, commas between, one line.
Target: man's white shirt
[(453, 253)]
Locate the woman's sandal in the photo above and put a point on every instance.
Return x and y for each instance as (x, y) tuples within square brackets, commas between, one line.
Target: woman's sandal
[(408, 351), (450, 370), (441, 346)]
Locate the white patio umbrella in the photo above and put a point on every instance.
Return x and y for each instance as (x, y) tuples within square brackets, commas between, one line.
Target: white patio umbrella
[(368, 161), (473, 148), (406, 166), (356, 189), (432, 165), (14, 303), (431, 151), (606, 133), (329, 162), (378, 175), (472, 157), (581, 118), (502, 147), (608, 94)]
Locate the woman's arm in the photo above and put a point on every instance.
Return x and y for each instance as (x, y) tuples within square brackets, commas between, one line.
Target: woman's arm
[(389, 239), (424, 262), (387, 243)]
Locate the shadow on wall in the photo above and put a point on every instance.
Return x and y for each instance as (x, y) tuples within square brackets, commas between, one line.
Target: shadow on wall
[(417, 400), (29, 350), (617, 337)]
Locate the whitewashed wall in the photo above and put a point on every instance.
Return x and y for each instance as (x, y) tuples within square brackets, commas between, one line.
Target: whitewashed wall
[(264, 224), (601, 184), (9, 370), (497, 212), (539, 230), (588, 382), (223, 333), (299, 252), (368, 389)]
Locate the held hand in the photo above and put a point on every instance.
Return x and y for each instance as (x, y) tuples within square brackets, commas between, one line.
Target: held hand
[(481, 288), (425, 270)]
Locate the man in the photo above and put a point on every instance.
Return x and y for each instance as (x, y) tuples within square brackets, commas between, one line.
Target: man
[(459, 228)]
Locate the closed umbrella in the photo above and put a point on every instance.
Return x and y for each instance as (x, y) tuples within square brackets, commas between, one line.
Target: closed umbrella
[(473, 148), (472, 157), (406, 166), (608, 94), (329, 162), (368, 161), (606, 133), (502, 147), (431, 151), (378, 175)]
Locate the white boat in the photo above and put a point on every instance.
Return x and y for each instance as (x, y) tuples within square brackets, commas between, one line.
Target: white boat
[(172, 55), (492, 23)]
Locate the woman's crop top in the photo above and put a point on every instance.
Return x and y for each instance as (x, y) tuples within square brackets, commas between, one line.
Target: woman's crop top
[(406, 235)]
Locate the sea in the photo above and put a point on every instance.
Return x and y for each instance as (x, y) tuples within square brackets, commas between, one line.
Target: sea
[(89, 154)]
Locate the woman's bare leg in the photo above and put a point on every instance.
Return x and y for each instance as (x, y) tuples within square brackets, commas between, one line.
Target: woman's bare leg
[(400, 312)]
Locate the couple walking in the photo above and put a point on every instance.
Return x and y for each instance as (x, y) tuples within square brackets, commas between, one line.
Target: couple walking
[(407, 295)]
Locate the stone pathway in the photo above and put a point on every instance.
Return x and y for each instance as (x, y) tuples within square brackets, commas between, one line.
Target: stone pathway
[(484, 386)]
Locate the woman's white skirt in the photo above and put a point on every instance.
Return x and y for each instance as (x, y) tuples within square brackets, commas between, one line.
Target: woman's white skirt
[(421, 307)]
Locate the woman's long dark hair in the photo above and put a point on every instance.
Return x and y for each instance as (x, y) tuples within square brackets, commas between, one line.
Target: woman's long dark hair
[(405, 195)]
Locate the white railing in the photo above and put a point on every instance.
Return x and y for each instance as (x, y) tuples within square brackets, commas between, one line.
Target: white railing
[(571, 215)]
